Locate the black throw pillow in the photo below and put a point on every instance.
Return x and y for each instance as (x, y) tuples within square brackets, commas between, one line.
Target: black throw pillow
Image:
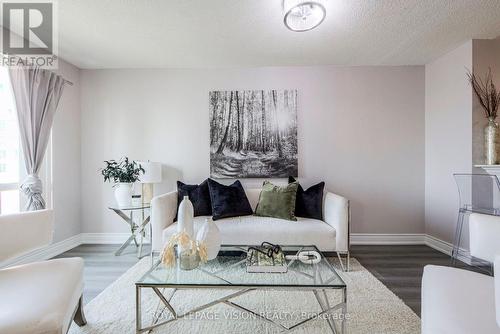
[(228, 201), (309, 203), (199, 195)]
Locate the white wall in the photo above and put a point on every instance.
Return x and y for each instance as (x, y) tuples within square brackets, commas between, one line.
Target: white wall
[(66, 157), (361, 129), (448, 137)]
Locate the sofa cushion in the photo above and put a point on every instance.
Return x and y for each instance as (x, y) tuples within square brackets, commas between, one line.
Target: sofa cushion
[(228, 201), (309, 203), (199, 195), (276, 201), (253, 230)]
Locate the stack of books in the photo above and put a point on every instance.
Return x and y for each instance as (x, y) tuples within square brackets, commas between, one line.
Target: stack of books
[(259, 262)]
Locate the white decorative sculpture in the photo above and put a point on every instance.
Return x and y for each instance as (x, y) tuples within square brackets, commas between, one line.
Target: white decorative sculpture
[(185, 217), (309, 257), (209, 234)]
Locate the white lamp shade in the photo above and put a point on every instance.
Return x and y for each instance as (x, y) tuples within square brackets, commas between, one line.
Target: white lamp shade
[(152, 172)]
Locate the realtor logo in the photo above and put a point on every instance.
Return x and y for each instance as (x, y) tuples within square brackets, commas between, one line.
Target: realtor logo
[(29, 32)]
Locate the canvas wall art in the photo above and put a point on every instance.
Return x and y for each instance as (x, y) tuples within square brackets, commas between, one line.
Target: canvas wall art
[(253, 134)]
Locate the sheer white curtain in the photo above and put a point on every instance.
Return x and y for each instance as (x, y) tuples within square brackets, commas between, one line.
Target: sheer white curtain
[(37, 93)]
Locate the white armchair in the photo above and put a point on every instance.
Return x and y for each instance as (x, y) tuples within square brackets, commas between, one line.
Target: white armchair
[(41, 297), (458, 301), (497, 291)]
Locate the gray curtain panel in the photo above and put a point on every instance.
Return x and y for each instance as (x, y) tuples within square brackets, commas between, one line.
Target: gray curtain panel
[(37, 93)]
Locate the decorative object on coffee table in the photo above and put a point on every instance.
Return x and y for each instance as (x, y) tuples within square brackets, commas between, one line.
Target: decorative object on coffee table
[(185, 216), (310, 257), (188, 251), (489, 99), (266, 258), (123, 173), (209, 235), (152, 174), (253, 133), (188, 259)]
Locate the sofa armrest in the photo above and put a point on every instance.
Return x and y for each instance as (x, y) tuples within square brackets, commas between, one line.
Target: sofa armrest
[(336, 214), (35, 227), (163, 210)]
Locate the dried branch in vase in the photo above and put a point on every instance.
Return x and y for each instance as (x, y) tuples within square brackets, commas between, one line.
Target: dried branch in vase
[(486, 92)]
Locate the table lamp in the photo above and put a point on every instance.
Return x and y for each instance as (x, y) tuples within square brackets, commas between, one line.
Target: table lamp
[(152, 174)]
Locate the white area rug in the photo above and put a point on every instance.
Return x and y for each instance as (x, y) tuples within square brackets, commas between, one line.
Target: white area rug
[(371, 308)]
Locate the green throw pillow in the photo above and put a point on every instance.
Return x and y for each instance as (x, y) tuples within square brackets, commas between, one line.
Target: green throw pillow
[(277, 202)]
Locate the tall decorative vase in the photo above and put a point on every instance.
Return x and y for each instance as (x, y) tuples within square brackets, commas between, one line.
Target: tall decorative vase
[(491, 133), (209, 234), (185, 217), (123, 193)]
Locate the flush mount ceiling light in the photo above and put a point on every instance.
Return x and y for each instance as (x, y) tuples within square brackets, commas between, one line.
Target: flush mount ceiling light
[(303, 15)]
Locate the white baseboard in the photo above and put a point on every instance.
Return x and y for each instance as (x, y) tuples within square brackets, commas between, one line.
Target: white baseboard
[(445, 247), (438, 244), (407, 239), (387, 239), (45, 253)]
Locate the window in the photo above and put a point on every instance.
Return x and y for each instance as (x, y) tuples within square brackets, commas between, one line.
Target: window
[(10, 164)]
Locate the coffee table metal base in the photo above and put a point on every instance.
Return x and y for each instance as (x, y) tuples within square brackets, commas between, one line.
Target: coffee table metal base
[(320, 295)]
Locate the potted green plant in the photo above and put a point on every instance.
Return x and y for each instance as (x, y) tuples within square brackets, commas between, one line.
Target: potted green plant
[(123, 173)]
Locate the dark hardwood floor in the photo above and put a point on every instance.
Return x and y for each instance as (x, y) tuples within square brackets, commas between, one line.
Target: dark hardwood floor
[(400, 268)]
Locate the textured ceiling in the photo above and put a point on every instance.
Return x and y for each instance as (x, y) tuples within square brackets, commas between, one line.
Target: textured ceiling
[(227, 33)]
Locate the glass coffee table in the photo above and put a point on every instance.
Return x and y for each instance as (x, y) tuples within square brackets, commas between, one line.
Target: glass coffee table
[(228, 271)]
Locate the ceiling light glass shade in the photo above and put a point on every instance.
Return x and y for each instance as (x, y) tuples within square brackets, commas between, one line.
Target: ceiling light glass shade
[(303, 15)]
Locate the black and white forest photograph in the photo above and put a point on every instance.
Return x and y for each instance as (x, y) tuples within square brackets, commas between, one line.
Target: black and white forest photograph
[(253, 134)]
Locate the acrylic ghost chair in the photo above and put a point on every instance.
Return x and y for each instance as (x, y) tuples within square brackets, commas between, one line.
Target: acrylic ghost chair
[(478, 193)]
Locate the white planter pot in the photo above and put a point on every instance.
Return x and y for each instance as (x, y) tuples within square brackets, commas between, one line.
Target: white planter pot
[(185, 217), (123, 194), (209, 234)]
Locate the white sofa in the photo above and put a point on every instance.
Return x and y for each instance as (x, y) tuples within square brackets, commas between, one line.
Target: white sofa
[(330, 235)]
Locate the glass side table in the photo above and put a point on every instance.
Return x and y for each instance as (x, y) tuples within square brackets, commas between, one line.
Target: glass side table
[(137, 231)]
